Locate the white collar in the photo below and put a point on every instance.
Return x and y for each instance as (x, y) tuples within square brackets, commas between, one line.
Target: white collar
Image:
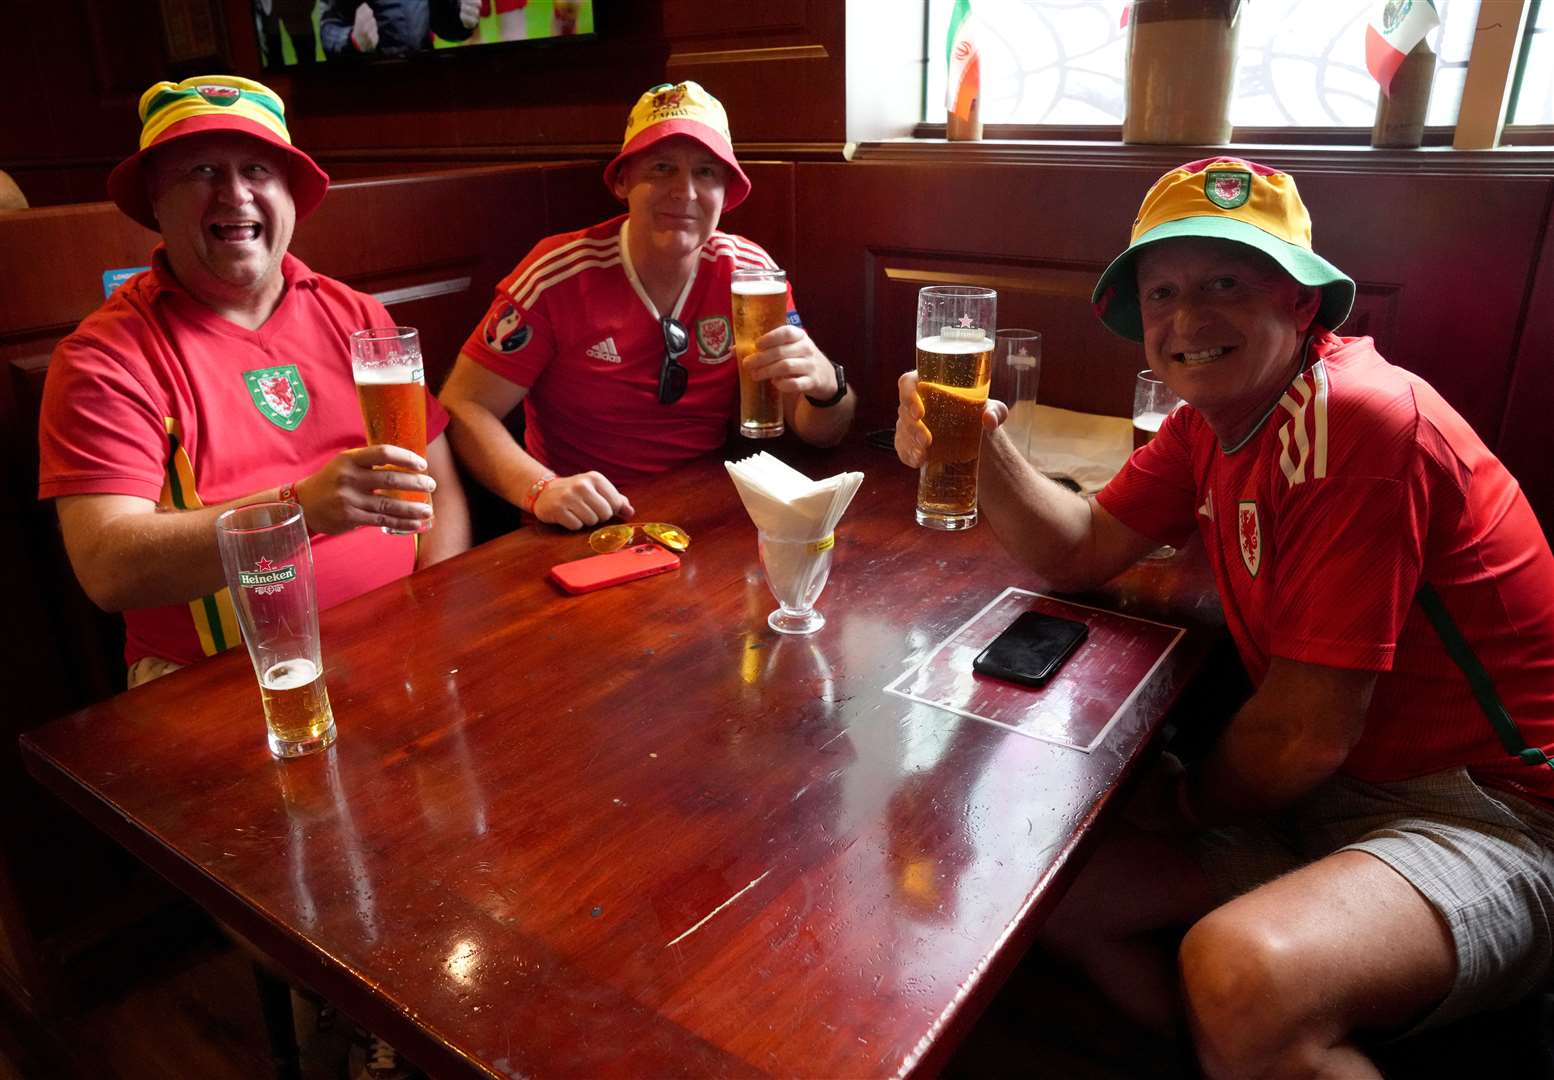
[(636, 282)]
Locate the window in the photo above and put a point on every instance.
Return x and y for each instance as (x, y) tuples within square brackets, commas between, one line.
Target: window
[(1300, 63), (1534, 103)]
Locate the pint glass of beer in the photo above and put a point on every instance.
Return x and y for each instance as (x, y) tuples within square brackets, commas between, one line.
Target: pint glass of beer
[(269, 570), (955, 327), (1153, 401), (760, 304), (386, 361)]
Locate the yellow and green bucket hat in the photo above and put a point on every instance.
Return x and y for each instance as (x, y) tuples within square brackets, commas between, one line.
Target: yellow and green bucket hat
[(199, 106), (1224, 198)]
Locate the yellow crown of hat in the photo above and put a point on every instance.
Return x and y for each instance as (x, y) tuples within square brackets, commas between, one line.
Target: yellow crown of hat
[(687, 101), (1230, 199), (1228, 188), (168, 103)]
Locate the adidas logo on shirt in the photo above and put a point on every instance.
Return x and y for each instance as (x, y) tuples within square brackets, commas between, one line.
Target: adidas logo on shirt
[(606, 351)]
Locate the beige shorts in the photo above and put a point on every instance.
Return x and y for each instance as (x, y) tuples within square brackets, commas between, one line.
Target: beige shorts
[(1483, 858)]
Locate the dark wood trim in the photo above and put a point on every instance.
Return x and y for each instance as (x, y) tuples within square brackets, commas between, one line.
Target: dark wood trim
[(1435, 160), (1438, 135), (553, 153)]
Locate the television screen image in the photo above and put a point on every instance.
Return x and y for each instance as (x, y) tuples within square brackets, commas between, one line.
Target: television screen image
[(339, 32)]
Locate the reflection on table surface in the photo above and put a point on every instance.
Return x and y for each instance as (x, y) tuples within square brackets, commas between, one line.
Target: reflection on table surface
[(635, 831)]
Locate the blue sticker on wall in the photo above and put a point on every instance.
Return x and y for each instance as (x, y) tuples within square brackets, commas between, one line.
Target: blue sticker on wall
[(112, 279)]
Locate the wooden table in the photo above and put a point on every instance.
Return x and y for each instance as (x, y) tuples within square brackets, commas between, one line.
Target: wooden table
[(634, 832)]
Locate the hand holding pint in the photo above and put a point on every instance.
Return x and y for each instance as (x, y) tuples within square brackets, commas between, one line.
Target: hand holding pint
[(955, 326), (760, 304), (390, 385)]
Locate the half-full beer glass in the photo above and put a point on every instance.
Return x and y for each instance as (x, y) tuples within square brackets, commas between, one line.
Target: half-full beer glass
[(760, 302), (1153, 401), (955, 327), (269, 570), (386, 362)]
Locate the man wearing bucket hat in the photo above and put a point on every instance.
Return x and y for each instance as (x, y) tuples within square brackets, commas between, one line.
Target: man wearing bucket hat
[(1369, 846), (222, 376), (591, 328)]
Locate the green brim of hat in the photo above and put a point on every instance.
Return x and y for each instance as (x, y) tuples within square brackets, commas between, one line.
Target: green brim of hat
[(1116, 296)]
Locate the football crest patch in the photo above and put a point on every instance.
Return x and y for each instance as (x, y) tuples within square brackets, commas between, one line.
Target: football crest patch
[(505, 331), (279, 395), (1249, 535), (715, 339), (1228, 188)]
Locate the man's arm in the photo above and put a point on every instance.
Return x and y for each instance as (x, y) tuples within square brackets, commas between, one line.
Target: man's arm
[(449, 534), (478, 399), (1294, 733), (1071, 541), (789, 358), (128, 553)]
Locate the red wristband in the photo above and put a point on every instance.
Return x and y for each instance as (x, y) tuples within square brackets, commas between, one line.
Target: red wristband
[(535, 489), (288, 493)]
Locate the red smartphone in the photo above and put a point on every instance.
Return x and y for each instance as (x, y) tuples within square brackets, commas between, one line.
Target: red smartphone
[(628, 564)]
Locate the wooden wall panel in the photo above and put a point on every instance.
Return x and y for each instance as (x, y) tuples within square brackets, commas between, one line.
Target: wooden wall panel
[(431, 245), (80, 66), (777, 66), (1527, 436)]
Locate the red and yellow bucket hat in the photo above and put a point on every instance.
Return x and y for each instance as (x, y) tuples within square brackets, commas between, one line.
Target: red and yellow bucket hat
[(681, 109), (1228, 199), (204, 104)]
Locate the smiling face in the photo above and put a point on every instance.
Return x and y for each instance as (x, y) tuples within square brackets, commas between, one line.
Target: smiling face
[(1222, 327), (224, 206), (674, 191)]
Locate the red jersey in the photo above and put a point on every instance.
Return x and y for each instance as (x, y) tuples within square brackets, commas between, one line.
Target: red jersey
[(573, 325), (155, 395), (1361, 484)]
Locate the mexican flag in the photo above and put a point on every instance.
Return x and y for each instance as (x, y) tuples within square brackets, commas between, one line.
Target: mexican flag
[(965, 62), (1392, 34)]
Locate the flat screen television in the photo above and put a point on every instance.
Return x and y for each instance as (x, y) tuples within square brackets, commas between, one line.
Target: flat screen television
[(343, 32)]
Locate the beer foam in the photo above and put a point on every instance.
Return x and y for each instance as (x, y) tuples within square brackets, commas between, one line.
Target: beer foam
[(388, 375), (759, 288), (290, 674), (954, 346), (1149, 421)]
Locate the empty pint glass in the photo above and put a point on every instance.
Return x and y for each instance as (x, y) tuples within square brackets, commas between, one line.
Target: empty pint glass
[(955, 327), (760, 303), (386, 363), (269, 570)]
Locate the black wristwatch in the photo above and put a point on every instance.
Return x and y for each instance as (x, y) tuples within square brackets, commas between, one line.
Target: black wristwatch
[(841, 389)]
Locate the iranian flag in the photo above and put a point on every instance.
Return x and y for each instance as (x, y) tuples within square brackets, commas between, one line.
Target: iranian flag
[(965, 62), (1392, 34)]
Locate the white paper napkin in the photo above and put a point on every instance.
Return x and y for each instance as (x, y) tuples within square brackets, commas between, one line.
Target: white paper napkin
[(1084, 447), (786, 504)]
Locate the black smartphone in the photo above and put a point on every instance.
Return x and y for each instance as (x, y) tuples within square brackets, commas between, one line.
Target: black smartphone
[(1031, 648)]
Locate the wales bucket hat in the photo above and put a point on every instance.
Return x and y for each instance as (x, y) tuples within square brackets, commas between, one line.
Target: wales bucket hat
[(1223, 198), (199, 106), (681, 109)]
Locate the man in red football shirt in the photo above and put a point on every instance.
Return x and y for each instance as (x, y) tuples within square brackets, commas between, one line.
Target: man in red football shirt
[(1369, 847), (583, 330), (222, 376)]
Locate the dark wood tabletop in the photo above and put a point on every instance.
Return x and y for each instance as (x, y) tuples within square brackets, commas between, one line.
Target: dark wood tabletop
[(636, 832)]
